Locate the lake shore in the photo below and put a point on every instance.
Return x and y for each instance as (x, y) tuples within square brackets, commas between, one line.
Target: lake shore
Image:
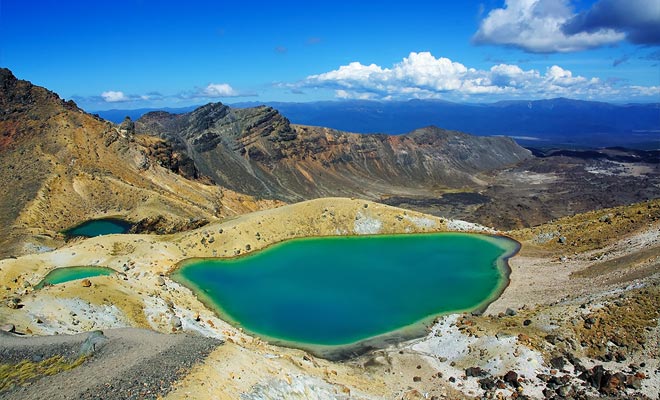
[(141, 295)]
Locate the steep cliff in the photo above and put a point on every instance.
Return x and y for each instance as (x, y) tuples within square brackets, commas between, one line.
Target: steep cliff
[(257, 151)]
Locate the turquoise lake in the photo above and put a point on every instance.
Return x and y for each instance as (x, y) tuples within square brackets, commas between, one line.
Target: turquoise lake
[(335, 291), (98, 227), (65, 274)]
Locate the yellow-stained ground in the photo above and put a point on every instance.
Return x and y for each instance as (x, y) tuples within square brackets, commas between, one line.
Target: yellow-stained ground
[(548, 278)]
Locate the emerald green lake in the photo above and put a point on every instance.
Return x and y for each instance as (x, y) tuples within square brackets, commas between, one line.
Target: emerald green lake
[(98, 227), (335, 291), (65, 274)]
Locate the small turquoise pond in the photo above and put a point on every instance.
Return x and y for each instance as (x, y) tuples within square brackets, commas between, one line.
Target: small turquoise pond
[(98, 227), (65, 274), (337, 291)]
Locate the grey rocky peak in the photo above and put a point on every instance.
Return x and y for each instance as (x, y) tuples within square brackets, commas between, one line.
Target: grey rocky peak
[(127, 127), (259, 152)]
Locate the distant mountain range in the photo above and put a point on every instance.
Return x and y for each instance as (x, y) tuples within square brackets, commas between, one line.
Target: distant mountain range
[(539, 123)]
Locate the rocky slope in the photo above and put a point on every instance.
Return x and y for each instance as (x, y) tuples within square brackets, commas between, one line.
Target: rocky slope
[(578, 320), (257, 151), (491, 181), (60, 166)]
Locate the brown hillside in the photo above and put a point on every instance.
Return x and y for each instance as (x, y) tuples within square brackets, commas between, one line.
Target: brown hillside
[(61, 166)]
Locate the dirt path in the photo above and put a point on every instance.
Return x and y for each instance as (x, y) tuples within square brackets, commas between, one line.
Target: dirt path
[(131, 364)]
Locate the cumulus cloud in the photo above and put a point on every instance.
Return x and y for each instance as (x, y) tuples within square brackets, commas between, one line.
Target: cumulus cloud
[(421, 75), (210, 91), (538, 26), (219, 90), (419, 72), (639, 19), (112, 96)]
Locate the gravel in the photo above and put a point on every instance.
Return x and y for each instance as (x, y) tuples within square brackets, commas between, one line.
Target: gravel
[(131, 364)]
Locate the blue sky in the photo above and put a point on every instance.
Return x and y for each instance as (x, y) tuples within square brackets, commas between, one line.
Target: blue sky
[(132, 54)]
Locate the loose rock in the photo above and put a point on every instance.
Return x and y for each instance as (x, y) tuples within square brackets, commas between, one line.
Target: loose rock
[(175, 322), (558, 362), (475, 371), (94, 341), (511, 378)]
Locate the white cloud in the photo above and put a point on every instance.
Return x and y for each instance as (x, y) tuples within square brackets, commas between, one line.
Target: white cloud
[(219, 90), (558, 76), (343, 94), (538, 26), (417, 73), (647, 90), (421, 75), (112, 96)]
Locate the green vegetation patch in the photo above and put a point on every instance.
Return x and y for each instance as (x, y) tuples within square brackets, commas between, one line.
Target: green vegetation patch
[(12, 375)]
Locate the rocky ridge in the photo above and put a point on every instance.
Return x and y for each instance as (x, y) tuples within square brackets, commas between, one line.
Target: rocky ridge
[(257, 151), (64, 166)]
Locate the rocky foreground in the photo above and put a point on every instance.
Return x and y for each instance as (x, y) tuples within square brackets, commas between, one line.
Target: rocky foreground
[(579, 319), (115, 364)]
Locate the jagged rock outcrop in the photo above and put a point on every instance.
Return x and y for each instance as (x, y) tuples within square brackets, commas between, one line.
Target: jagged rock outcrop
[(161, 152), (60, 166), (127, 127), (257, 151), (162, 225)]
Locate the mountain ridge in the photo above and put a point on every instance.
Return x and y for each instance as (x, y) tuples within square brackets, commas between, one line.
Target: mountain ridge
[(258, 151), (548, 122), (62, 166)]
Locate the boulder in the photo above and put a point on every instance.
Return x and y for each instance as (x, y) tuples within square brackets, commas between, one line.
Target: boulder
[(176, 322), (565, 391), (487, 383), (511, 378), (94, 341), (86, 283), (558, 362), (14, 303), (475, 371)]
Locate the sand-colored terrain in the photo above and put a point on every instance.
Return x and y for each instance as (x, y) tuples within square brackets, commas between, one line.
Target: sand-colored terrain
[(554, 289), (143, 261)]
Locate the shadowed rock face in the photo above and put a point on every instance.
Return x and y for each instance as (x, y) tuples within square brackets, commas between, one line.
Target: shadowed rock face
[(257, 151)]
